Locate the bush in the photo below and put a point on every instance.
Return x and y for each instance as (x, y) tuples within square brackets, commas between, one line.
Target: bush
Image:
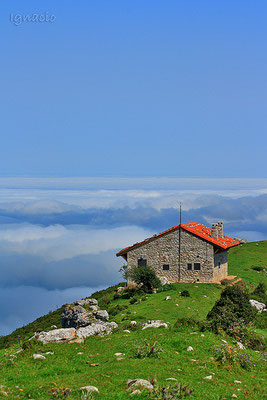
[(261, 320), (144, 276), (186, 322), (260, 293), (147, 349), (258, 268), (231, 354), (233, 307), (172, 391), (115, 310), (247, 336), (225, 282), (185, 293)]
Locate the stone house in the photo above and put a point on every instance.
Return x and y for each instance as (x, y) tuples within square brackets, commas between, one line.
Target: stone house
[(189, 252)]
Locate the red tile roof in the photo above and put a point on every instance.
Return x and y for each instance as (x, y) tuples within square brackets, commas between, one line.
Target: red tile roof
[(197, 229)]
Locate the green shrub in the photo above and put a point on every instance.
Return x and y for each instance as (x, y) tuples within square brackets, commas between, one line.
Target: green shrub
[(174, 391), (144, 276), (191, 322), (147, 349), (231, 354), (247, 336), (116, 309), (260, 293), (185, 293), (233, 307), (134, 300), (261, 320), (225, 282), (259, 269)]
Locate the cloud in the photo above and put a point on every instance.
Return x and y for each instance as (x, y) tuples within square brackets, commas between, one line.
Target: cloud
[(18, 309), (60, 235)]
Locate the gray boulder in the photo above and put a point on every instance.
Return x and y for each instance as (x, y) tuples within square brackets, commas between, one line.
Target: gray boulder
[(258, 305), (100, 328), (141, 383), (38, 357), (102, 314), (60, 335), (88, 302), (76, 316), (154, 324)]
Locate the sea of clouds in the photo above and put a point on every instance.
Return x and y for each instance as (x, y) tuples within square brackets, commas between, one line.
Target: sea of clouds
[(59, 236)]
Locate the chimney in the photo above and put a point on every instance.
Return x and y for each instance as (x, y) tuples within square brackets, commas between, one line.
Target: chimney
[(214, 231), (220, 229)]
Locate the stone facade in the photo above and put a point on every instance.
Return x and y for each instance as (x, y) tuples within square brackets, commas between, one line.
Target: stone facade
[(200, 260)]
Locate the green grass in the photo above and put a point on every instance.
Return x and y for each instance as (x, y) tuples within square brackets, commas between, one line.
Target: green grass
[(243, 258), (25, 378)]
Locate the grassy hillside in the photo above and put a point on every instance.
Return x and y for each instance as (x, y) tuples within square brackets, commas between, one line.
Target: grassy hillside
[(70, 364), (243, 258)]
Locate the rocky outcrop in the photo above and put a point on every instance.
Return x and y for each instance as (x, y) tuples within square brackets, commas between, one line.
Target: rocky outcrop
[(102, 314), (76, 316), (60, 335), (79, 323), (258, 305), (100, 328)]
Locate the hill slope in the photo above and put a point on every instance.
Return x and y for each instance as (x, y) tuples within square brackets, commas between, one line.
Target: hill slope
[(71, 365)]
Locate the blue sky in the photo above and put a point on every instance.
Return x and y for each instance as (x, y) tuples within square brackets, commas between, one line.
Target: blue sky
[(112, 114), (115, 88)]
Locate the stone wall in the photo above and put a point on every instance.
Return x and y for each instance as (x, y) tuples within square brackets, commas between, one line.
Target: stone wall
[(164, 250), (220, 266)]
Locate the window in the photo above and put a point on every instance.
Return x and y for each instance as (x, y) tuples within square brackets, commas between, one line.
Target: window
[(197, 266), (141, 262), (189, 267), (165, 267)]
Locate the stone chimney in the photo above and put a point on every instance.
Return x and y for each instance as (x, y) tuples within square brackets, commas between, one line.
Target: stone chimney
[(214, 231), (220, 229)]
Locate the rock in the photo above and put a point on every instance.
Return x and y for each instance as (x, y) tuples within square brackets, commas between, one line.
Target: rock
[(102, 314), (89, 388), (202, 335), (76, 316), (120, 289), (142, 383), (171, 379), (241, 346), (113, 324), (193, 333), (164, 281), (154, 324), (53, 326), (38, 357), (126, 331), (133, 322), (100, 328), (60, 335), (234, 396), (80, 352), (137, 391), (237, 382), (88, 302), (119, 354), (168, 298), (258, 305), (49, 352), (190, 348), (208, 377)]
